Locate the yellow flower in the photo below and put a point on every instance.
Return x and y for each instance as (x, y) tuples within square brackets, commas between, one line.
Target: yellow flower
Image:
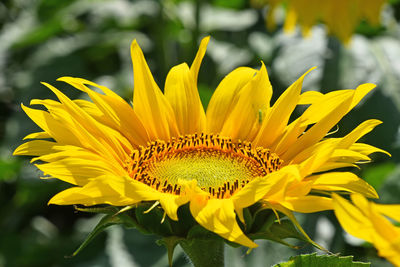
[(365, 220), (341, 17), (167, 149)]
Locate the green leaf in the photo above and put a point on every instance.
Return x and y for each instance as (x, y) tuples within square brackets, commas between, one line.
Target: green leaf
[(9, 169), (376, 175), (104, 223), (314, 260)]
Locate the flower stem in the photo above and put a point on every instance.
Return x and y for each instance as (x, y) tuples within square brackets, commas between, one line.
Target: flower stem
[(204, 252)]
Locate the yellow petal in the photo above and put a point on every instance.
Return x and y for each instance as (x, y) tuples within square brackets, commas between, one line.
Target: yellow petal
[(181, 92), (272, 186), (170, 203), (225, 97), (360, 92), (79, 171), (337, 109), (38, 135), (358, 132), (119, 114), (308, 204), (218, 216), (334, 165), (342, 181), (195, 67), (278, 117), (95, 136), (254, 99), (316, 159), (35, 148), (91, 194), (54, 128), (389, 210), (351, 218), (289, 137), (149, 103), (367, 149), (310, 97), (347, 155)]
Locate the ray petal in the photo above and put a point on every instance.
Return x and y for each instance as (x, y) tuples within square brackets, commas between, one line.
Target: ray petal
[(149, 102)]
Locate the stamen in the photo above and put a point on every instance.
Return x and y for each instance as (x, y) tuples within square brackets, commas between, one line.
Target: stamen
[(220, 166)]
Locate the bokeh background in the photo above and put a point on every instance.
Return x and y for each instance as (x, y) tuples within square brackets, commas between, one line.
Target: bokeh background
[(41, 40)]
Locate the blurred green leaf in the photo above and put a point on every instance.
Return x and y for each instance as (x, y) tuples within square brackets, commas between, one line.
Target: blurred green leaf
[(105, 222), (314, 260), (236, 4), (377, 174), (9, 169), (205, 94)]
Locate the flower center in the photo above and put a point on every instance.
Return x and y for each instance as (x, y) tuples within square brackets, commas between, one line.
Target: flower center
[(220, 166)]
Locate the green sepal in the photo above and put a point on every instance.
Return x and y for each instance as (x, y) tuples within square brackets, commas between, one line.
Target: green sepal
[(152, 221), (278, 231), (104, 223), (263, 219), (248, 219), (170, 243), (314, 260), (198, 232), (104, 210)]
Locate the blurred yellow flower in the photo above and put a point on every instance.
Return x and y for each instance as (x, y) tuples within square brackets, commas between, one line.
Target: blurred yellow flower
[(167, 149), (341, 17), (365, 220)]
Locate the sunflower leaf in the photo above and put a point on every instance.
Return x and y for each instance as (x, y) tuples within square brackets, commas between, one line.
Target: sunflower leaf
[(104, 223), (314, 260)]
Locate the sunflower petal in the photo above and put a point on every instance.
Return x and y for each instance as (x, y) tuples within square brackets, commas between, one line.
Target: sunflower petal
[(346, 181), (97, 137), (225, 97), (119, 114), (338, 108), (254, 98), (171, 203), (149, 103), (358, 132), (195, 67), (91, 194), (181, 92), (35, 148), (308, 204), (218, 216), (389, 210), (366, 149), (278, 117), (38, 135), (270, 187), (351, 218)]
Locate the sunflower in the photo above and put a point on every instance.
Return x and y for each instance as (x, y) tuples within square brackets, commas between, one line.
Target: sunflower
[(341, 17), (166, 149)]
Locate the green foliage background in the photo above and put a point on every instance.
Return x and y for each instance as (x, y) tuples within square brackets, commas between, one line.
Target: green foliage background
[(41, 40)]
